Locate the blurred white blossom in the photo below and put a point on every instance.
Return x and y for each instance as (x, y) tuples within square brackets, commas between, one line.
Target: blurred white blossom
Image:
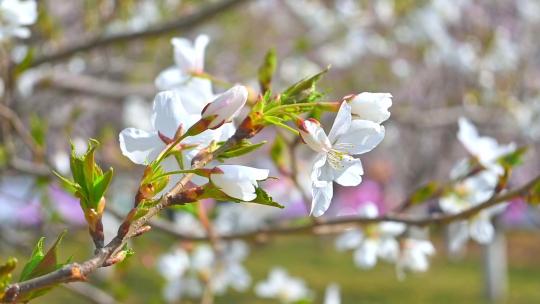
[(282, 287), (15, 17)]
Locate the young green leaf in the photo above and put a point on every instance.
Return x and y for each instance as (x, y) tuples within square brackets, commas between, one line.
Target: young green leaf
[(262, 198), (101, 184), (41, 263), (242, 148), (303, 91), (267, 70), (35, 259)]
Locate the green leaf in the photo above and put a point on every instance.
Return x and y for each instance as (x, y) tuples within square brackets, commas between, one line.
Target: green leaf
[(279, 153), (188, 208), (303, 91), (35, 259), (101, 184), (264, 199), (40, 263), (49, 262), (425, 193), (277, 121), (513, 159), (67, 184), (267, 70), (242, 148)]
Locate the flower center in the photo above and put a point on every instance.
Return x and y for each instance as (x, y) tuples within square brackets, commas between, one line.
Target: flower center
[(337, 154)]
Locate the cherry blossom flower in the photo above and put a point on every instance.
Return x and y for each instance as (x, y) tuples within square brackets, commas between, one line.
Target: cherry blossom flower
[(414, 256), (169, 119), (335, 161), (485, 149), (371, 106), (469, 193), (196, 92), (475, 189), (225, 106), (15, 16), (185, 272), (189, 59), (375, 241), (238, 181), (282, 287)]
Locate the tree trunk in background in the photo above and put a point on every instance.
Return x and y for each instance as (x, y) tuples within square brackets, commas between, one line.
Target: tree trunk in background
[(495, 268)]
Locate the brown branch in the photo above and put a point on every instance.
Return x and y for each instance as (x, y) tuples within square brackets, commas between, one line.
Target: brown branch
[(337, 225), (182, 23)]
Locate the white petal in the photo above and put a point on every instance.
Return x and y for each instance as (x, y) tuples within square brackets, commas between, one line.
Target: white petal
[(319, 171), (172, 292), (351, 175), (242, 190), (200, 45), (481, 230), (372, 106), (322, 196), (140, 146), (237, 172), (226, 105), (363, 136), (173, 265), (195, 94), (467, 134), (350, 239), (452, 204), (314, 136), (388, 249), (366, 255), (369, 210), (168, 114), (332, 295), (458, 234), (342, 122), (170, 78), (391, 228)]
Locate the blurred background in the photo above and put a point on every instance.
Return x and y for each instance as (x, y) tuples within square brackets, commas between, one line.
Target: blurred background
[(88, 70)]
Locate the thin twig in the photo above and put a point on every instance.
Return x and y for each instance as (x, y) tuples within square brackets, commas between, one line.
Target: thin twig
[(20, 128), (180, 24), (339, 224)]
